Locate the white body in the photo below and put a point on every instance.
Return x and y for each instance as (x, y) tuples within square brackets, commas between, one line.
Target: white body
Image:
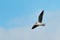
[(40, 24)]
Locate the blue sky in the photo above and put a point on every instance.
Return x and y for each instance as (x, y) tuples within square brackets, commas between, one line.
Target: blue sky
[(18, 16), (11, 9)]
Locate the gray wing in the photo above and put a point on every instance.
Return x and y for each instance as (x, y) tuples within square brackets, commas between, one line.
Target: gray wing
[(41, 16), (35, 26)]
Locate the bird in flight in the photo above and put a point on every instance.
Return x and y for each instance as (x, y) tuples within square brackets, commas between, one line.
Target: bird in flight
[(39, 23)]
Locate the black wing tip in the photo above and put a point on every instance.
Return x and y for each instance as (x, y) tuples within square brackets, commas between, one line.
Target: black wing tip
[(35, 26), (32, 27), (42, 10)]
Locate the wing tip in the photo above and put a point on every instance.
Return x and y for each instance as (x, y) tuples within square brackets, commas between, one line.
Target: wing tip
[(32, 28), (42, 10)]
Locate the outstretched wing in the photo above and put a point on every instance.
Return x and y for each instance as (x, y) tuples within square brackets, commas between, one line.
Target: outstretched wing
[(35, 26), (40, 16)]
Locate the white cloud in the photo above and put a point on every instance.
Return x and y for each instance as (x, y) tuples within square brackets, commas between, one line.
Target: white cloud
[(28, 34), (56, 35), (3, 34)]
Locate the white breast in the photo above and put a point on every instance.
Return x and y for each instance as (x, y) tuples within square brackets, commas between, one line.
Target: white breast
[(38, 23)]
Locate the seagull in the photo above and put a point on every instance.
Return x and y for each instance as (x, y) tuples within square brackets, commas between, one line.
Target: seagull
[(39, 23)]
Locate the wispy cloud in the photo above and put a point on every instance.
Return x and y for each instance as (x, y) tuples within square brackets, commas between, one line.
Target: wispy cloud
[(28, 34)]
